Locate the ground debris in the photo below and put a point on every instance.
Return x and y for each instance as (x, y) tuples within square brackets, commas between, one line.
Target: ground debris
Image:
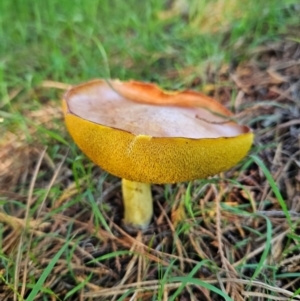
[(236, 237)]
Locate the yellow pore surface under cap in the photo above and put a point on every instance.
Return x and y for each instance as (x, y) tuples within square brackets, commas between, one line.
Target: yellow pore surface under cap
[(149, 159)]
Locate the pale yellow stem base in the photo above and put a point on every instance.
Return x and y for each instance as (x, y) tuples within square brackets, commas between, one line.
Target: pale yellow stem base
[(138, 204)]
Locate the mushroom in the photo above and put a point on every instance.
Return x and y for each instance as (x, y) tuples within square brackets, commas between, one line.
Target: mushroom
[(145, 135)]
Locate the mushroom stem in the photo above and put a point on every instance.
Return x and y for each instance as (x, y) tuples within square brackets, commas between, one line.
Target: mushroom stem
[(138, 204)]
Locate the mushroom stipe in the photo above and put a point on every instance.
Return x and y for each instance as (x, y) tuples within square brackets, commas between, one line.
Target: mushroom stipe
[(145, 135)]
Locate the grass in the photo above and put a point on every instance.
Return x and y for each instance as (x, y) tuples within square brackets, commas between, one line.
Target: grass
[(60, 232)]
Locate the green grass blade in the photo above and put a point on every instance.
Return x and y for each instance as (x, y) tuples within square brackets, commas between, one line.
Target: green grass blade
[(126, 294), (104, 57), (266, 251), (78, 287), (99, 218), (274, 187), (38, 286), (187, 280), (111, 255)]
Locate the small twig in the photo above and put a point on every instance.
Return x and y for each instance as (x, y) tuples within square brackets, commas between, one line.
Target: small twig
[(260, 249), (232, 289), (27, 221), (130, 266), (294, 258), (176, 240), (55, 85), (277, 213), (262, 296), (154, 285)]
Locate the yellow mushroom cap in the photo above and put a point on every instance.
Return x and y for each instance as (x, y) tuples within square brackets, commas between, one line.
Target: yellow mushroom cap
[(141, 133)]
